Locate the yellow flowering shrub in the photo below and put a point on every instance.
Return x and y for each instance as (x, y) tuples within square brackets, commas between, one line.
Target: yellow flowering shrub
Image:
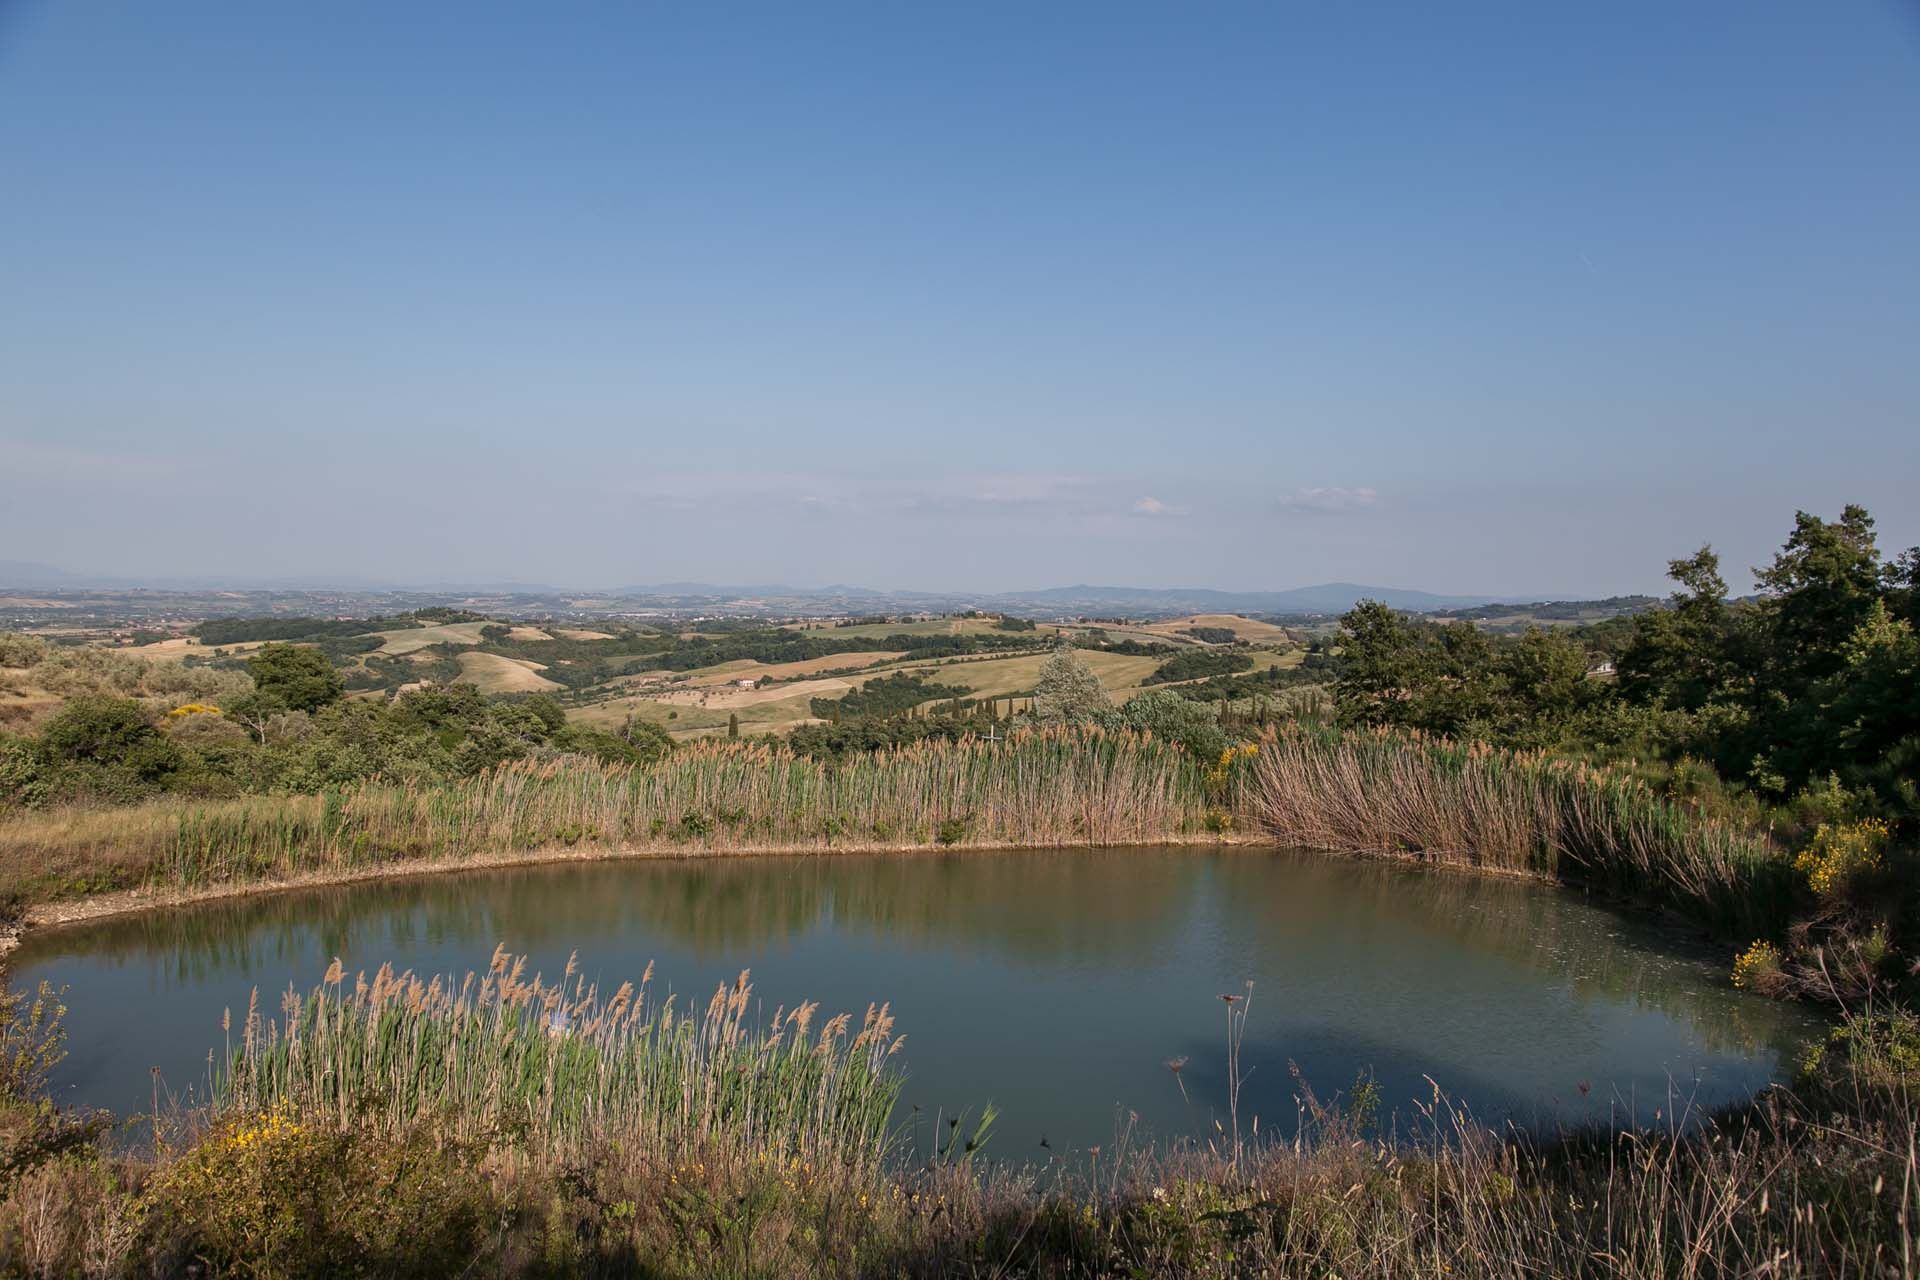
[(1757, 967), (1841, 851), (269, 1195), (1223, 769)]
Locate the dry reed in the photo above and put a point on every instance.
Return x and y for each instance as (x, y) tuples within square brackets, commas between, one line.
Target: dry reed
[(1472, 804)]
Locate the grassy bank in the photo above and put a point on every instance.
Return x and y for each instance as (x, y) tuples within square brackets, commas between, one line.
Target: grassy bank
[(1033, 789), (1526, 813), (396, 1130), (1358, 792)]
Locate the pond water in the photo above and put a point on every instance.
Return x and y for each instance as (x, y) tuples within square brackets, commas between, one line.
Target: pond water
[(1056, 984)]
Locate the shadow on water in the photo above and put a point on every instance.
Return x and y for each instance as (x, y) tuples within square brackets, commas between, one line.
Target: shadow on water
[(1055, 983)]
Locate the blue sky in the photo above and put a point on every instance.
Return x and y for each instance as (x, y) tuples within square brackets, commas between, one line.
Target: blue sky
[(1508, 298)]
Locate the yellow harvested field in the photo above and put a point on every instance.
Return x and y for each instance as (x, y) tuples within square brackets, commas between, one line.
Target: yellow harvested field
[(748, 669), (412, 639), (1139, 633), (181, 646), (997, 677), (690, 719), (575, 633), (727, 698), (528, 633), (1246, 628), (496, 674), (930, 627)]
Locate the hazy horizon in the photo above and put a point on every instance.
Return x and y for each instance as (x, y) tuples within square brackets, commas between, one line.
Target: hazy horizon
[(351, 583), (1500, 299)]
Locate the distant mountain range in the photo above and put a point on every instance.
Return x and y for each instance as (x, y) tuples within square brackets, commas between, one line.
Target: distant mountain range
[(1330, 597), (1082, 599), (1079, 600)]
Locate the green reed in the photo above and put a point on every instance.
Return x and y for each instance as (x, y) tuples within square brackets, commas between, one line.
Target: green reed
[(1034, 788), (561, 1068)]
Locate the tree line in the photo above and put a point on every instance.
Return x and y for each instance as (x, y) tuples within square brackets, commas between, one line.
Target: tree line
[(1811, 686)]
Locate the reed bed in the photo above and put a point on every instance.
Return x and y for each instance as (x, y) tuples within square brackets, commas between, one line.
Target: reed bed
[(1034, 788), (333, 1155), (1307, 786), (562, 1070), (1533, 814)]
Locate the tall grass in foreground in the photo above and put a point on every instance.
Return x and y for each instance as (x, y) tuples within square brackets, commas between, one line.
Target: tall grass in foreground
[(1035, 788), (563, 1069), (338, 1158), (1478, 806)]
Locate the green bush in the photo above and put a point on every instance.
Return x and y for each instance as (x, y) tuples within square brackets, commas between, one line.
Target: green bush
[(1166, 714)]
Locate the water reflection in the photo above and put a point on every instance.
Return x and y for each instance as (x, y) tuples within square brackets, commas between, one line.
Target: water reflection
[(1055, 983)]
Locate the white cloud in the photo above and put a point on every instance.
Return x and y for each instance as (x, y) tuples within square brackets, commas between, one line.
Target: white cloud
[(1151, 506), (1328, 498)]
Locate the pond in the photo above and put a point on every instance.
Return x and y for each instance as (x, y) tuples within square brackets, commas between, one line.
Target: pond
[(1056, 984)]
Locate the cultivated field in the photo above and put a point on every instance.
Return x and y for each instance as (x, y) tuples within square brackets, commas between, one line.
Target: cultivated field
[(748, 669), (413, 639), (1245, 629), (689, 704), (496, 674), (929, 627), (188, 646)]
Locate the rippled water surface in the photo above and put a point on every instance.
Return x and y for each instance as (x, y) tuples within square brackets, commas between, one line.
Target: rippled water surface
[(1056, 984)]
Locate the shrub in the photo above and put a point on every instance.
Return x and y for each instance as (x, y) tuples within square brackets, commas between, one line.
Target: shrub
[(1200, 663), (1166, 714), (299, 676), (21, 651), (1878, 1049), (32, 1041), (1758, 968), (1842, 853), (269, 1195), (22, 773)]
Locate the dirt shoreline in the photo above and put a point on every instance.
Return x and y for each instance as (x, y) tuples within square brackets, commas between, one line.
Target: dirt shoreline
[(71, 911)]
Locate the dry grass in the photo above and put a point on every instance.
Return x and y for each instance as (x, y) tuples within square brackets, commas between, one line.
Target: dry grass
[(493, 674), (189, 646), (413, 639), (724, 696), (1243, 628), (1121, 674), (752, 670)]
